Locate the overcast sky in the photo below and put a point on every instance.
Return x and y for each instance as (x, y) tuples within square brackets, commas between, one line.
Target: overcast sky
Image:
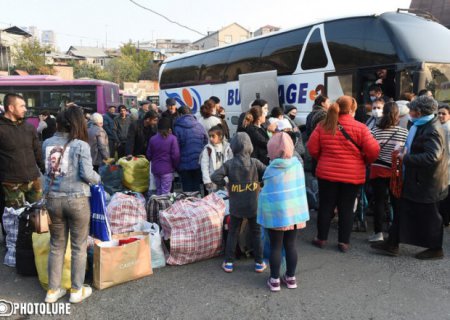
[(113, 22)]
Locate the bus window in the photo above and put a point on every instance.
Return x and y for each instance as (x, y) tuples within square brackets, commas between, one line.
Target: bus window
[(214, 66), (189, 72), (54, 99), (315, 56), (170, 74), (437, 77), (359, 42), (283, 51), (244, 59), (406, 82), (86, 99)]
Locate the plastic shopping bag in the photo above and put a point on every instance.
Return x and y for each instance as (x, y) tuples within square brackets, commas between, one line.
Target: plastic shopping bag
[(99, 222), (156, 248)]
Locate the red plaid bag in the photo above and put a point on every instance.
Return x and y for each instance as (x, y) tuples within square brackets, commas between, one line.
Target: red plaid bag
[(194, 227), (125, 210)]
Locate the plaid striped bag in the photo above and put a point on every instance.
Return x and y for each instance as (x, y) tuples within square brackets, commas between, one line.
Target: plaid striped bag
[(125, 210), (155, 203), (194, 227)]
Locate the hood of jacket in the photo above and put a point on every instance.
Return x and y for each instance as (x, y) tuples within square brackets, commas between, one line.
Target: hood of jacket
[(402, 107), (241, 145), (186, 121)]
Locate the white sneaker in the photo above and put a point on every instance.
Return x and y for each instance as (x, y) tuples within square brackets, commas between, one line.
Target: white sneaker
[(376, 237), (77, 296), (54, 295)]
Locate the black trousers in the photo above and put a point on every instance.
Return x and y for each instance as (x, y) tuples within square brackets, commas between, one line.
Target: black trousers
[(444, 210), (278, 240), (233, 235), (332, 195), (381, 193)]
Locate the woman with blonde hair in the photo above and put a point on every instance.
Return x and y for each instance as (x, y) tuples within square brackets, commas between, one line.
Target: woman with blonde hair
[(342, 147)]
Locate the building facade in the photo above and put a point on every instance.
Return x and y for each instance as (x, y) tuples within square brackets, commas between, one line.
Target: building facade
[(265, 30), (232, 33)]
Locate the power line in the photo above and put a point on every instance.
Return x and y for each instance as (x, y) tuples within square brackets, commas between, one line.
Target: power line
[(168, 19)]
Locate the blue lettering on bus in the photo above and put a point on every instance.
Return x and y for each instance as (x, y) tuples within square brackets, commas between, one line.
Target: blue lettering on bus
[(281, 94), (302, 92), (290, 95)]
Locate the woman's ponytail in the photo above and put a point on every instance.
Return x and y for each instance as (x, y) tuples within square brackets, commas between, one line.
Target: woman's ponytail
[(331, 120)]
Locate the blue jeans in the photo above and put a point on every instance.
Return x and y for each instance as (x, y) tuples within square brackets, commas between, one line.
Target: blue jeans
[(68, 215)]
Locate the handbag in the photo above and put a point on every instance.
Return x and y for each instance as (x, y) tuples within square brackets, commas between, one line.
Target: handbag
[(396, 183), (39, 216)]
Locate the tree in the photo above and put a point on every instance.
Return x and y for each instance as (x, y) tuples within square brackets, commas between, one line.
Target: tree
[(151, 72), (89, 71), (30, 56), (123, 69)]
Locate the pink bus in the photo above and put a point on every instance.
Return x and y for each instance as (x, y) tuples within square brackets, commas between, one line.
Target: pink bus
[(44, 92)]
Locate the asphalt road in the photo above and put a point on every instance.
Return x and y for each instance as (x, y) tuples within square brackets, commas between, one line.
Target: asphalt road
[(332, 285)]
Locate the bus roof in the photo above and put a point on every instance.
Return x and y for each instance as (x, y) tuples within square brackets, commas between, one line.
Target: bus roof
[(411, 33), (48, 80)]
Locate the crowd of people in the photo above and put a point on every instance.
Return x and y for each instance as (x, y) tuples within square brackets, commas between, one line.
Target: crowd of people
[(264, 167)]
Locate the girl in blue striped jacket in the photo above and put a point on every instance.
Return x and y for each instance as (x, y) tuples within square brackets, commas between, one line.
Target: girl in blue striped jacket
[(283, 207)]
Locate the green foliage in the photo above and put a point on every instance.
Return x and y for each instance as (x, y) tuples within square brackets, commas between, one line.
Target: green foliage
[(90, 71), (30, 56), (150, 72)]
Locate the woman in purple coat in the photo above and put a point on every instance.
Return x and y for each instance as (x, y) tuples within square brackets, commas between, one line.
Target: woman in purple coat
[(164, 154)]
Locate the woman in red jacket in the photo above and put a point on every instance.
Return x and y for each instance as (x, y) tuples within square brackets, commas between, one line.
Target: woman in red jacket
[(343, 147)]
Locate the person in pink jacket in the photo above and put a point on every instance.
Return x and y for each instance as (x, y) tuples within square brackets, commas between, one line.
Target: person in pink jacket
[(343, 147)]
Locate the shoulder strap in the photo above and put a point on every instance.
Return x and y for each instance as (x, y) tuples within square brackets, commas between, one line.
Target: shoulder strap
[(392, 135), (347, 136)]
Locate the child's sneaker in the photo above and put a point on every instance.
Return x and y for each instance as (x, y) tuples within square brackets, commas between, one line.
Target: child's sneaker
[(54, 295), (260, 267), (274, 284), (77, 296), (227, 267), (290, 282)]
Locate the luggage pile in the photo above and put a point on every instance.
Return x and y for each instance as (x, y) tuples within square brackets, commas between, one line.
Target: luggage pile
[(129, 235)]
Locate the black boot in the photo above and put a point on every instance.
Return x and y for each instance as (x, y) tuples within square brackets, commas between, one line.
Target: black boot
[(386, 248), (430, 254)]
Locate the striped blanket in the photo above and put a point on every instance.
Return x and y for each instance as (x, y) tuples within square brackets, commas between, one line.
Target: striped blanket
[(282, 201)]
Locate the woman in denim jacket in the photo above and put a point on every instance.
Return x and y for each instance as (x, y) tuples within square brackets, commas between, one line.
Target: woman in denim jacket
[(68, 173)]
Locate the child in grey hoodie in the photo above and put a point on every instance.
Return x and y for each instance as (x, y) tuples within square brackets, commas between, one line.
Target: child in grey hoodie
[(244, 174)]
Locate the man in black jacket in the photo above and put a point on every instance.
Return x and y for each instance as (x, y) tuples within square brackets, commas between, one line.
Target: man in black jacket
[(20, 155), (140, 132), (425, 163)]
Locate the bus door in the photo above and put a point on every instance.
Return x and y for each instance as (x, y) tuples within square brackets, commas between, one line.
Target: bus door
[(340, 83)]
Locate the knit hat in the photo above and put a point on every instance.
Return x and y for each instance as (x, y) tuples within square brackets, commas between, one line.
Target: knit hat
[(288, 108), (164, 123), (280, 146)]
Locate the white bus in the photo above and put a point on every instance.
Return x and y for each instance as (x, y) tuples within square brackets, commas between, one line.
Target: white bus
[(333, 57)]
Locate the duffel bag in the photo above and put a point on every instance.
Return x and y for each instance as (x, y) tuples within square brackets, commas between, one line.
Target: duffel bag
[(125, 210), (24, 247), (135, 173), (112, 176), (194, 227), (11, 225), (155, 203)]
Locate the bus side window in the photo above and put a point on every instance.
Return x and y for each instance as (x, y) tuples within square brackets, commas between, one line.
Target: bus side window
[(315, 56)]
